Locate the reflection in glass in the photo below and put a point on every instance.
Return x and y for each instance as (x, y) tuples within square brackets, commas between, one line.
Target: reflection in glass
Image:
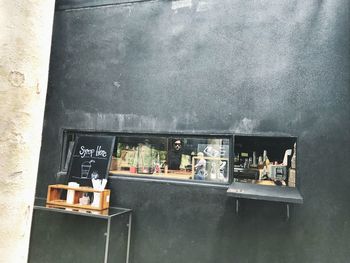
[(185, 158)]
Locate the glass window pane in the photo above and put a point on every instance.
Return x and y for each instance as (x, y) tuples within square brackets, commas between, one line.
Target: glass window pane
[(265, 160), (180, 157)]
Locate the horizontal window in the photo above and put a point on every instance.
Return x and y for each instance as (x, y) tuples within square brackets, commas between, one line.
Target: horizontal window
[(265, 160), (256, 159), (180, 157)]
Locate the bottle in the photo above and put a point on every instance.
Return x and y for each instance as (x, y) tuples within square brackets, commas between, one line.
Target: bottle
[(260, 162), (144, 157), (254, 164), (294, 157), (264, 156), (246, 163)]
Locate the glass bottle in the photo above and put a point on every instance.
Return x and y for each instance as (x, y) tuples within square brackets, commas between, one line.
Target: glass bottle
[(144, 156)]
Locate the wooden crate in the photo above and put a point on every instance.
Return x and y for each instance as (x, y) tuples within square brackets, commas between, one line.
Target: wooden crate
[(54, 194)]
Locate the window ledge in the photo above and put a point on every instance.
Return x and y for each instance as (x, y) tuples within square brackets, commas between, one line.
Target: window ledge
[(265, 192), (154, 179)]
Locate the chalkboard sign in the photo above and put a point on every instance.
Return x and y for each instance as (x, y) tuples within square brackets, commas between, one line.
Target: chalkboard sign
[(91, 158)]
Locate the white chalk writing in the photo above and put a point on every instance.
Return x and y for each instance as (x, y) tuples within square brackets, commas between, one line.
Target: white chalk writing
[(100, 152), (91, 153), (86, 152)]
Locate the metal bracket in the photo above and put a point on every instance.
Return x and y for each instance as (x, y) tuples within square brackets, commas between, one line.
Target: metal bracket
[(287, 209)]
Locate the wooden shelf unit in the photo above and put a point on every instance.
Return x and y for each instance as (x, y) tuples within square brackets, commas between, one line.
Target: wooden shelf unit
[(55, 191)]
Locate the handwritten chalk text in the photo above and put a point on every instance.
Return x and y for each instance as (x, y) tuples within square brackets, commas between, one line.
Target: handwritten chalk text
[(90, 153), (100, 152)]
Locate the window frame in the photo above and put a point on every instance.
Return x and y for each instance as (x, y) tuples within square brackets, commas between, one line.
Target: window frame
[(199, 135)]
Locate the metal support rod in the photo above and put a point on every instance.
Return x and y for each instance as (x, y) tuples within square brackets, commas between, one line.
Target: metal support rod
[(129, 234), (107, 239), (287, 206), (237, 206)]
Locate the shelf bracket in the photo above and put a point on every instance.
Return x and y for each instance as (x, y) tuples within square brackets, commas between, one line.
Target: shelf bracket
[(287, 209)]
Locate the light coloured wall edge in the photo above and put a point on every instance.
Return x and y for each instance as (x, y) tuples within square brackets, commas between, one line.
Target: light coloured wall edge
[(25, 43)]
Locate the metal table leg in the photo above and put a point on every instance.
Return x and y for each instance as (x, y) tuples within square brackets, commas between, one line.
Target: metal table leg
[(287, 212), (129, 234), (107, 239)]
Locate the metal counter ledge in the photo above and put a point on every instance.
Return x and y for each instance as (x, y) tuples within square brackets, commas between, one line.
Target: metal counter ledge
[(265, 192)]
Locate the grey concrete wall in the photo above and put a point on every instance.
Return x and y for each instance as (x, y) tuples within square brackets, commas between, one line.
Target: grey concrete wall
[(271, 67)]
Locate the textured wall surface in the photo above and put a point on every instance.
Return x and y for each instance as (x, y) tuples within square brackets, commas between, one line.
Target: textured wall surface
[(270, 67), (25, 42)]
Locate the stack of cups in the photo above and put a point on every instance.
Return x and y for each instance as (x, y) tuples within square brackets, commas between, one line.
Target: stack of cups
[(100, 185), (70, 193)]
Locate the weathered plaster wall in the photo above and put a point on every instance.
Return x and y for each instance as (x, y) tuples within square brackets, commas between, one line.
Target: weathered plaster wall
[(25, 41)]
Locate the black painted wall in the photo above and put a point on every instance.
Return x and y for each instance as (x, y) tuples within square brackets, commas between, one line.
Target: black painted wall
[(267, 67)]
